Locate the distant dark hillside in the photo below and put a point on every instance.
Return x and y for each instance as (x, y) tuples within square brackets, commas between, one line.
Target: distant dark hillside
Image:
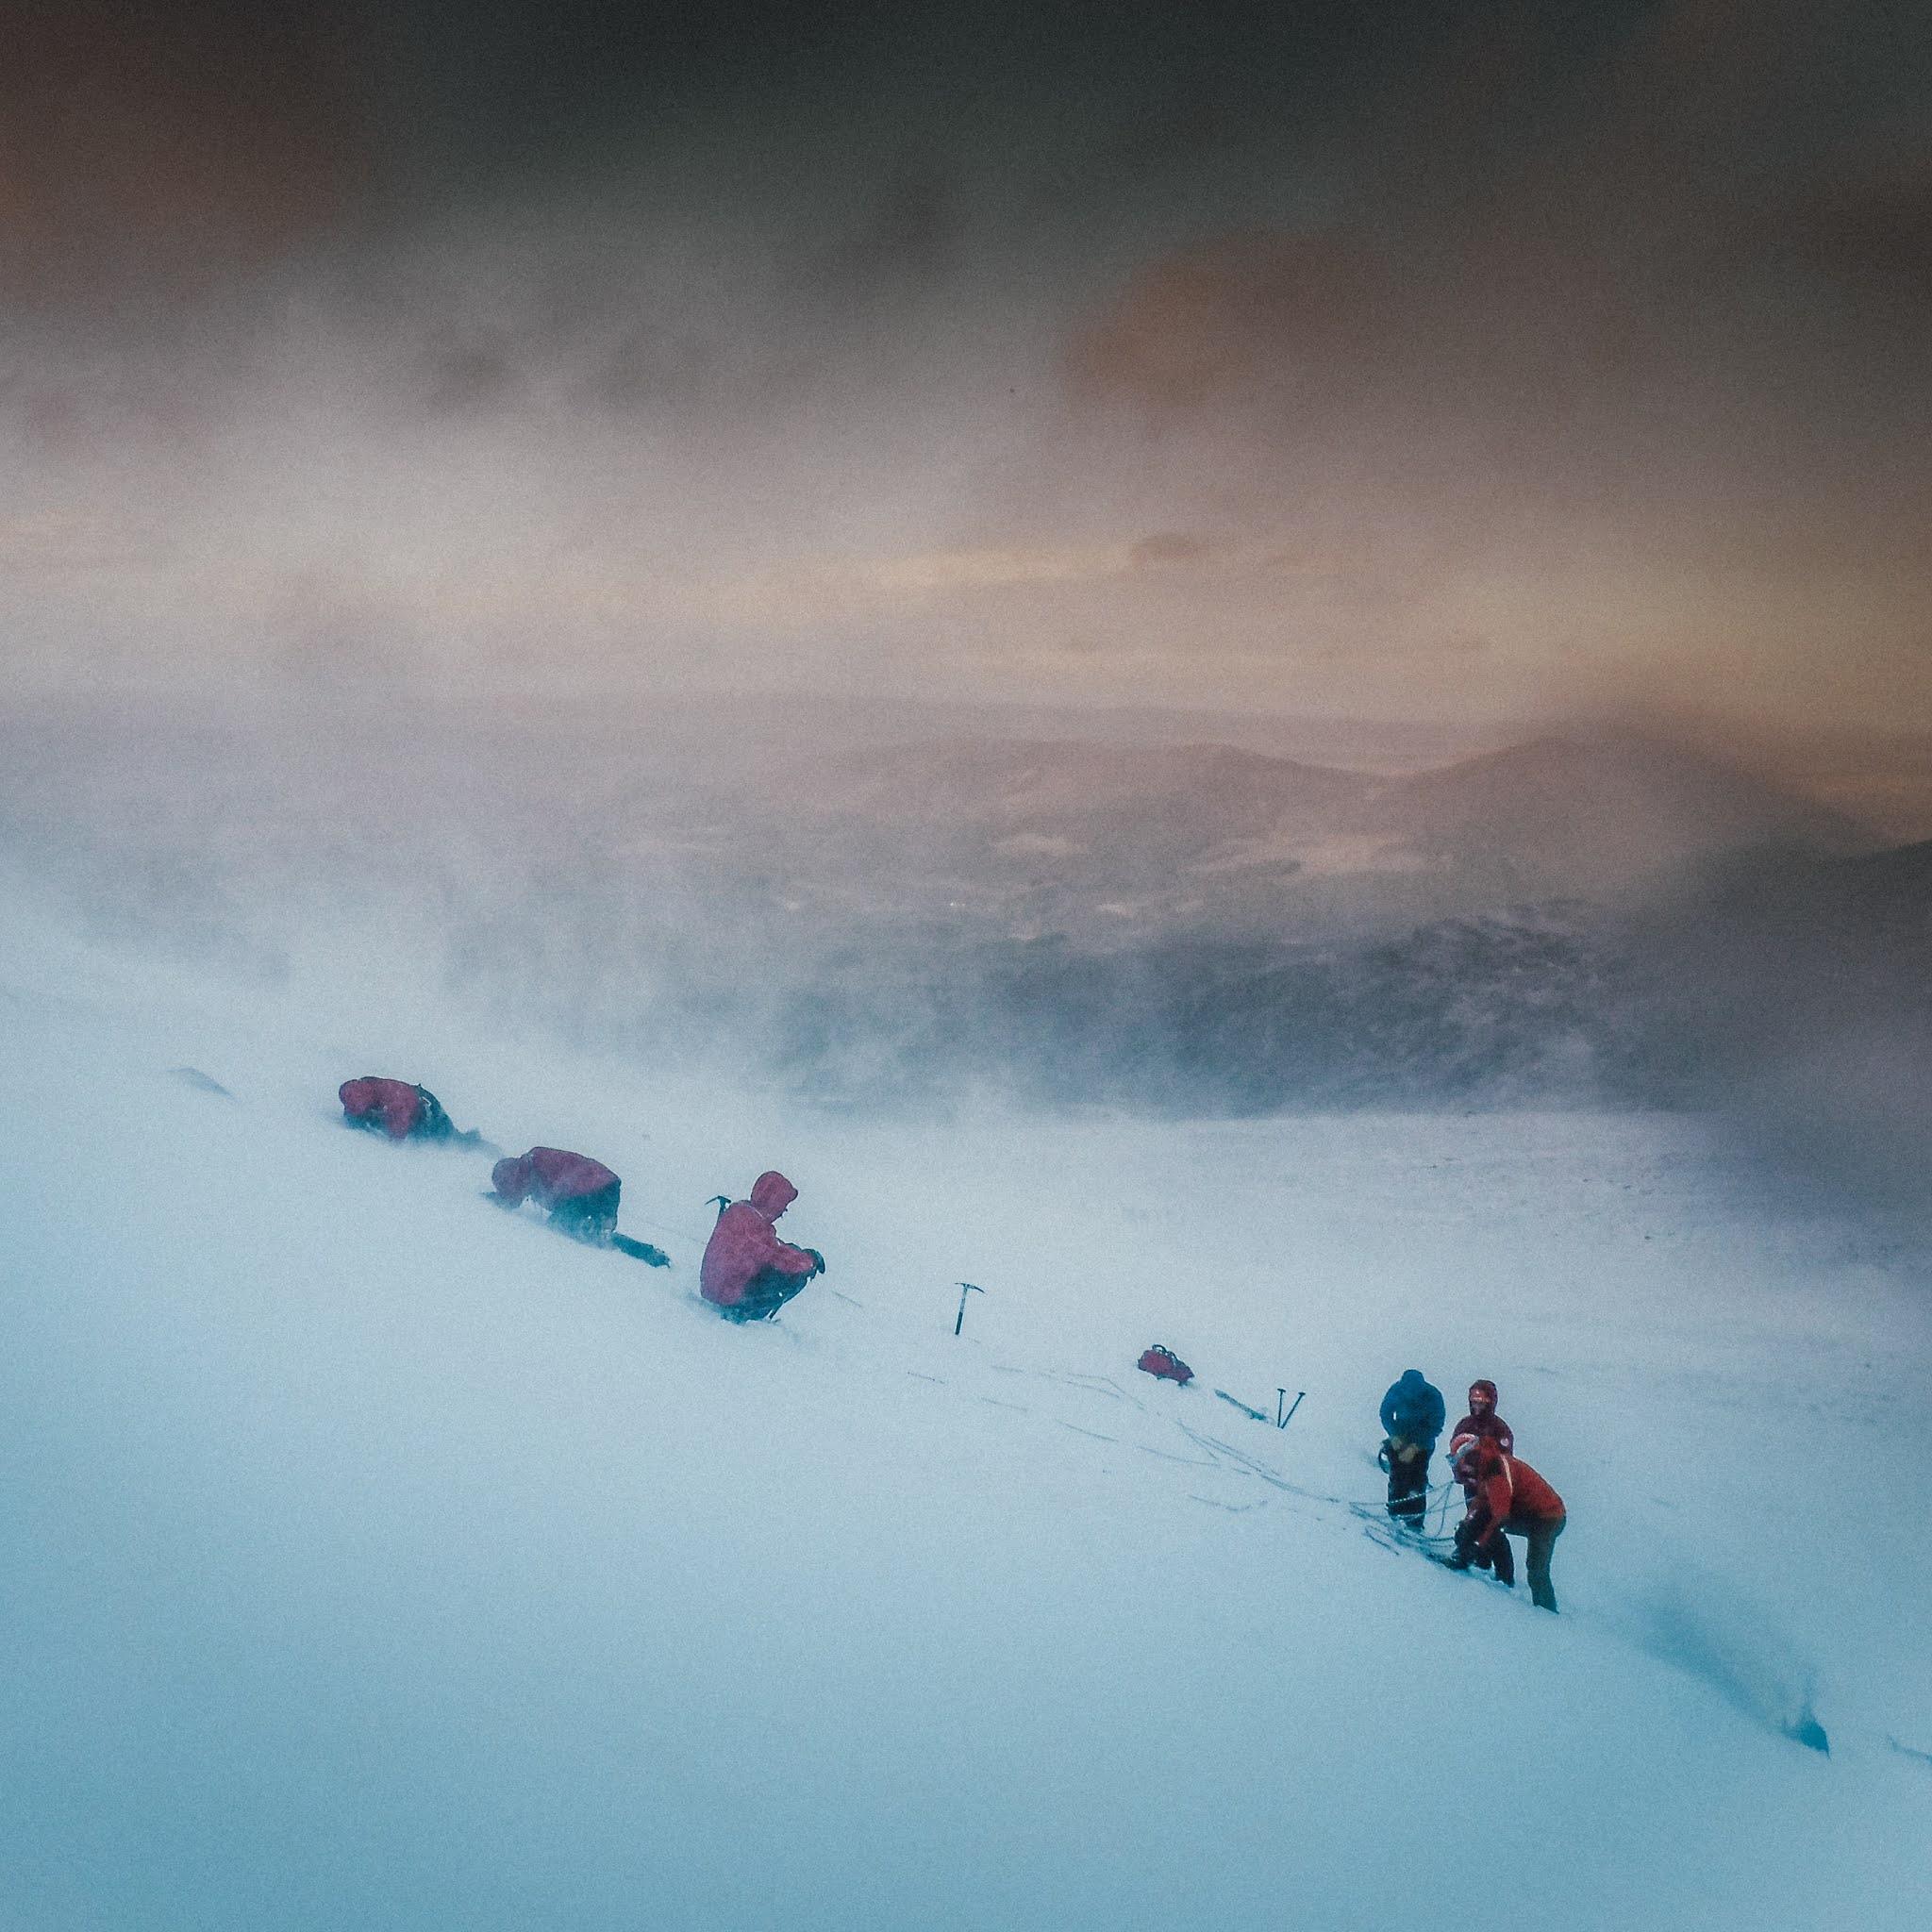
[(1586, 920), (998, 784), (1792, 996), (1490, 1012), (1764, 957), (1118, 847), (1599, 816)]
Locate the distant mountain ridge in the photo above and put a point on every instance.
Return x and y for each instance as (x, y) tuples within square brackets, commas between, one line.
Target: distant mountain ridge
[(1193, 927), (1113, 842), (1606, 814)]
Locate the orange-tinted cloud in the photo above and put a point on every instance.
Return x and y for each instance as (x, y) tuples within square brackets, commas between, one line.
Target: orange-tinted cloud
[(163, 144), (1651, 284), (1233, 315)]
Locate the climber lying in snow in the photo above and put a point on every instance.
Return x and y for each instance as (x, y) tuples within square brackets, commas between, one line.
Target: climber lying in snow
[(399, 1110), (579, 1194)]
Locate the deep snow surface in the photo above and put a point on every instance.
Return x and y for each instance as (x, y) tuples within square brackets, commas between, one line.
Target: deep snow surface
[(370, 1558)]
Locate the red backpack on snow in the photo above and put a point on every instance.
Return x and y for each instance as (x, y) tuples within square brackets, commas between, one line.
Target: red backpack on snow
[(1166, 1364)]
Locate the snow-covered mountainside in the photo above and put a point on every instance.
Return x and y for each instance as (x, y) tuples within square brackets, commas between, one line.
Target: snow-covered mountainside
[(373, 1558)]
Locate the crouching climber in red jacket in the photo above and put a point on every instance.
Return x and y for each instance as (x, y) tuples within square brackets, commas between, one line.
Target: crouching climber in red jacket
[(580, 1193), (398, 1109), (748, 1272), (1507, 1498)]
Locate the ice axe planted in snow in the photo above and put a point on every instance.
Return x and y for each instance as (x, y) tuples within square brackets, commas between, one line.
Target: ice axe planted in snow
[(966, 1287), (1281, 1421)]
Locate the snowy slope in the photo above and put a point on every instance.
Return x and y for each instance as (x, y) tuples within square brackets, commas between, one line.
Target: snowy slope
[(373, 1559)]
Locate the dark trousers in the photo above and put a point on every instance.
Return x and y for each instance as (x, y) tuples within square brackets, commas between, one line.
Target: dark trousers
[(765, 1294), (1536, 1532), (589, 1218), (1408, 1482), (1541, 1535), (431, 1122)]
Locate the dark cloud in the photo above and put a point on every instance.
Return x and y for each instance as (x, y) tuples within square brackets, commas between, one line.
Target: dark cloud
[(468, 376), (1646, 267), (1445, 301), (906, 240), (1869, 230)]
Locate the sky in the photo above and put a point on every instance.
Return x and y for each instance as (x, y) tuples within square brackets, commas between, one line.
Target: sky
[(1479, 361)]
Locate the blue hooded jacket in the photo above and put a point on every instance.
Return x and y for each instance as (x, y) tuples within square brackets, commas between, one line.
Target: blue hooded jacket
[(1413, 1409)]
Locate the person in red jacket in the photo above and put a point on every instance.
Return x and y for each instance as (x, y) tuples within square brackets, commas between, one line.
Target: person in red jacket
[(398, 1110), (1482, 1420), (579, 1192), (748, 1272), (1507, 1498)]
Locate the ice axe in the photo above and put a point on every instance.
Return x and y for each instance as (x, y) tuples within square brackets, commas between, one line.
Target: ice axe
[(1241, 1406), (1281, 1421), (640, 1251), (966, 1287)]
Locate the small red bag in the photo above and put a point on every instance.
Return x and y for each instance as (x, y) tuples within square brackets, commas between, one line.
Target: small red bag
[(1166, 1364)]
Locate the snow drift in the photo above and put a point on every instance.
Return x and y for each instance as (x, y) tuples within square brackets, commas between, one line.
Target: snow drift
[(373, 1558)]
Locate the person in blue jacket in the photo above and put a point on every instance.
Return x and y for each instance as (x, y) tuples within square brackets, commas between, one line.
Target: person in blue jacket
[(1412, 1415)]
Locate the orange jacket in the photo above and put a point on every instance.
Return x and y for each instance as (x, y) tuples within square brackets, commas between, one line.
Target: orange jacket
[(1510, 1494)]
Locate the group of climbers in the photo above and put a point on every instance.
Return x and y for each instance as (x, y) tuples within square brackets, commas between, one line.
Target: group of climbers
[(1503, 1497), (747, 1273)]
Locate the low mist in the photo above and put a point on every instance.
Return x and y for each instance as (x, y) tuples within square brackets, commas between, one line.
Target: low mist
[(895, 908)]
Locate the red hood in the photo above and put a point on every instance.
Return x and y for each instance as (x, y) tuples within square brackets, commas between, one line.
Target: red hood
[(745, 1243), (771, 1193)]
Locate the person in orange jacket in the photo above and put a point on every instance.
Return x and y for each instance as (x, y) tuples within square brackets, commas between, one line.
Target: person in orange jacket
[(1507, 1498)]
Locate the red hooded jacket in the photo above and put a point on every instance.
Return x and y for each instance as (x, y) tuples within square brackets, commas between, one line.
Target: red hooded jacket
[(1507, 1491), (547, 1176), (745, 1243), (394, 1103), (1482, 1422)]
